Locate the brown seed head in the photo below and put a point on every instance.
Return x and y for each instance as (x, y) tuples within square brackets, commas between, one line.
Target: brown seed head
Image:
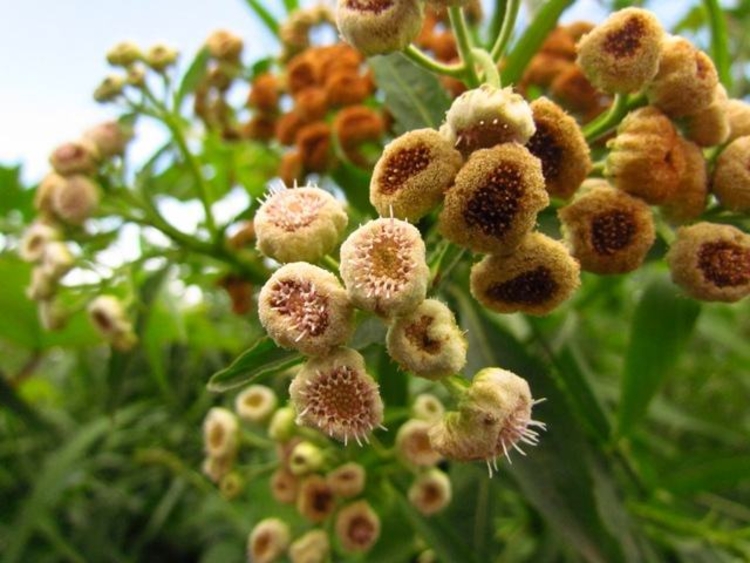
[(284, 486), (313, 142), (413, 444), (315, 500), (76, 199), (347, 480), (75, 157), (268, 541), (311, 103), (357, 527), (264, 93), (731, 177), (110, 138), (430, 492), (710, 126), (691, 197), (738, 114)]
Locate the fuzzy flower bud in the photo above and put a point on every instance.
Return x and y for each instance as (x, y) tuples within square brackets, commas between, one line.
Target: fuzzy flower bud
[(731, 177), (231, 485), (216, 468), (559, 143), (711, 262), (76, 199), (315, 500), (384, 268), (427, 341), (35, 240), (608, 231), (738, 114), (427, 407), (487, 116), (646, 157), (495, 200), (124, 54), (335, 394), (160, 57), (109, 88), (220, 433), (710, 126), (45, 191), (622, 54), (305, 458), (376, 27), (312, 547), (357, 527), (284, 486), (347, 480), (108, 315), (268, 541), (57, 259), (299, 224), (430, 492), (413, 444), (42, 286), (52, 316), (691, 197), (413, 173), (75, 157), (686, 80), (282, 427), (224, 45), (305, 308), (256, 403), (109, 138)]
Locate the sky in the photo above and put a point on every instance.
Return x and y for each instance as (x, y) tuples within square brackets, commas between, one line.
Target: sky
[(52, 57)]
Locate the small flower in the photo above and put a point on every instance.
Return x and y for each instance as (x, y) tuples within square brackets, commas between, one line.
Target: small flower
[(264, 93), (622, 54), (427, 407), (347, 480), (355, 126), (558, 142), (430, 492), (686, 80), (268, 541), (495, 200), (646, 157), (305, 308), (608, 231), (313, 141), (124, 54), (312, 104), (231, 485), (224, 45), (160, 57), (110, 88), (413, 444), (383, 267), (691, 198), (710, 126), (107, 314), (535, 279), (216, 468), (413, 173), (312, 547), (427, 341), (45, 193), (357, 527), (35, 240), (738, 113), (315, 500), (75, 157), (282, 427), (220, 433), (284, 486), (110, 138), (305, 458), (76, 199), (256, 403), (299, 224), (711, 262), (56, 260), (731, 176), (42, 286), (376, 27), (487, 116), (335, 394)]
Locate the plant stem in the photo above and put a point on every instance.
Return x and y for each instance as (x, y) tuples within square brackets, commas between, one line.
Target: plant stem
[(510, 15), (424, 60), (264, 15), (491, 74), (608, 120), (332, 263), (461, 33)]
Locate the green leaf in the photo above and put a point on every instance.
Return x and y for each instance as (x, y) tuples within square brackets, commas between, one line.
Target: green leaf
[(263, 359), (412, 94), (193, 75), (356, 185), (13, 195), (663, 323), (710, 474)]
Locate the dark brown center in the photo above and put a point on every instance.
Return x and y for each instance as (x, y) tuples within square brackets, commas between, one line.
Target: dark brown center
[(612, 231), (492, 207), (486, 134), (724, 264), (543, 145), (625, 42), (529, 288), (402, 165), (417, 334), (373, 6)]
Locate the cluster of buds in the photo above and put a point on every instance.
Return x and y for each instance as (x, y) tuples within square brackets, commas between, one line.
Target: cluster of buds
[(134, 62)]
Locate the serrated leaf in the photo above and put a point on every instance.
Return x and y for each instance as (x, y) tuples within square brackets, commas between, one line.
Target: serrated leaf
[(193, 75), (413, 95), (663, 323), (263, 359)]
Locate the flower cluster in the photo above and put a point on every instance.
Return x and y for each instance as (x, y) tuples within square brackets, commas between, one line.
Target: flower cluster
[(134, 62)]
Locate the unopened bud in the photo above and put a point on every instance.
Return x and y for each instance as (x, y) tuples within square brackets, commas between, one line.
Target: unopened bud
[(75, 157), (282, 426), (76, 199), (376, 27), (315, 500), (124, 54), (347, 480), (413, 444), (268, 541), (731, 177), (160, 57), (312, 547), (256, 403), (430, 492), (109, 138), (357, 527), (305, 458), (220, 433), (110, 88)]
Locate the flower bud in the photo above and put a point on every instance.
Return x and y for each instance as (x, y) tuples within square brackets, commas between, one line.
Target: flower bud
[(75, 157), (686, 79), (56, 260), (299, 224), (107, 314), (413, 444), (430, 492), (347, 480), (622, 53), (559, 143), (313, 142), (710, 126), (646, 157), (731, 177), (376, 27), (305, 308), (231, 485), (690, 200), (427, 341), (35, 240), (136, 77), (76, 199), (224, 45), (44, 193), (220, 433), (305, 458), (160, 57), (413, 173), (607, 230), (42, 286), (427, 407), (535, 279), (282, 427), (357, 527), (109, 138), (312, 547), (284, 486), (738, 114), (335, 394), (315, 500), (255, 403), (124, 54), (268, 541), (384, 268), (487, 116), (711, 262), (265, 92), (216, 468), (495, 199), (355, 126), (110, 88)]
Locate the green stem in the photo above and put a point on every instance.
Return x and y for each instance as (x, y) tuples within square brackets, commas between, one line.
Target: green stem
[(461, 33), (424, 60), (719, 42), (332, 263), (491, 74), (456, 386), (510, 15), (608, 120), (264, 15)]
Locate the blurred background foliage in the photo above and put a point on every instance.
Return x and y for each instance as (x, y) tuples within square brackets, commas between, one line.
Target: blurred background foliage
[(647, 457)]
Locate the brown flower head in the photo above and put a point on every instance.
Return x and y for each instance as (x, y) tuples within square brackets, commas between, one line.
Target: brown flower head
[(75, 157), (315, 500), (354, 126), (384, 268), (731, 177), (376, 27), (35, 240), (646, 157), (413, 173), (311, 103), (738, 114), (710, 126), (357, 527), (607, 230), (347, 480), (558, 142), (336, 395), (572, 89), (413, 444), (220, 433), (268, 541), (313, 143), (305, 308), (110, 138), (430, 492), (76, 199), (284, 486), (691, 197), (345, 88), (291, 171), (264, 93), (622, 54), (495, 199)]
